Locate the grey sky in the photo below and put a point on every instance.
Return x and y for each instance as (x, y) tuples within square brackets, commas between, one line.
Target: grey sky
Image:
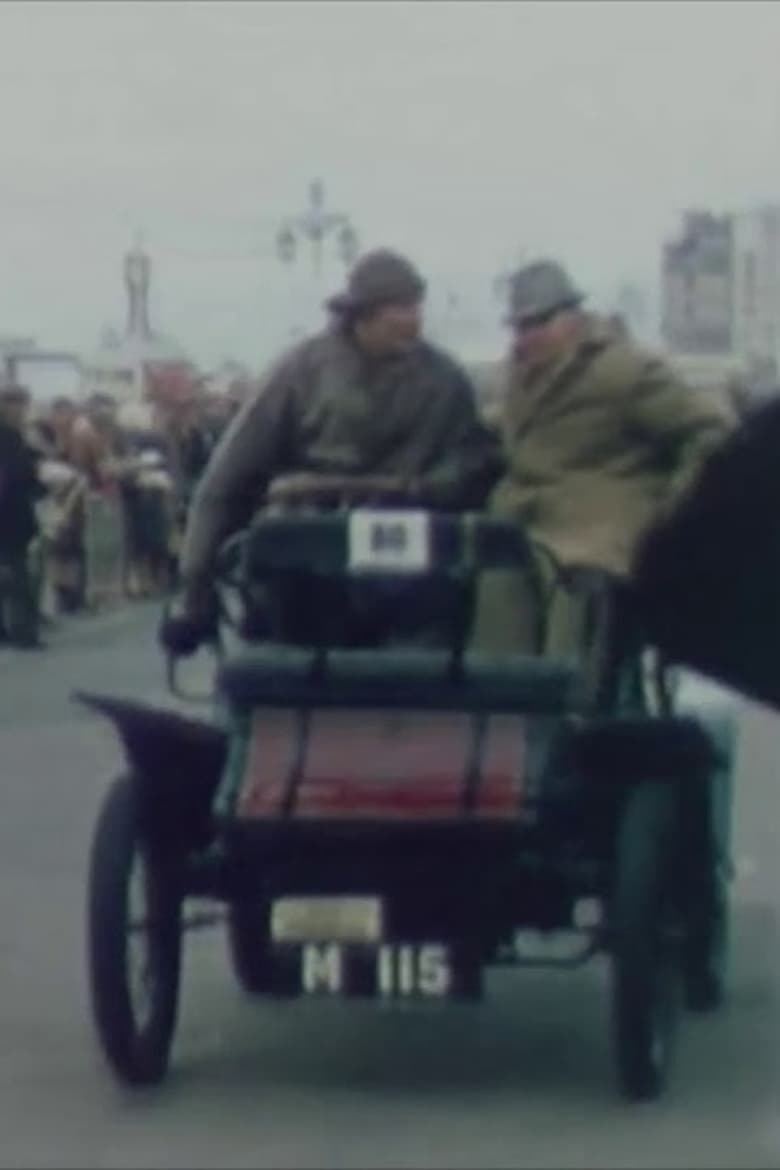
[(462, 133)]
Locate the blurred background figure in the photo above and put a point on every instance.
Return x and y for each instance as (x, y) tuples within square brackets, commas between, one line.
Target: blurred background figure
[(20, 490), (189, 434), (68, 443), (146, 494), (80, 446)]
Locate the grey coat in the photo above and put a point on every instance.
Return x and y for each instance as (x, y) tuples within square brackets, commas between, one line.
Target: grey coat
[(325, 407)]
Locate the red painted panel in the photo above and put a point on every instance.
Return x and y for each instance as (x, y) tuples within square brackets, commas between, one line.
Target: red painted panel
[(382, 764)]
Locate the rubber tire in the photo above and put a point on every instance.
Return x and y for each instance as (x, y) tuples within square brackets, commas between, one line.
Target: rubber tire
[(137, 1056), (248, 929), (708, 898), (646, 963), (706, 968)]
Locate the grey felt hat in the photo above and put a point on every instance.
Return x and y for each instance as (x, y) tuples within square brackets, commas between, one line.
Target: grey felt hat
[(539, 289)]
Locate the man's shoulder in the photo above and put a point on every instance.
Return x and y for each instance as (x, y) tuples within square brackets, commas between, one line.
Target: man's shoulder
[(449, 369), (304, 357), (436, 355), (621, 360)]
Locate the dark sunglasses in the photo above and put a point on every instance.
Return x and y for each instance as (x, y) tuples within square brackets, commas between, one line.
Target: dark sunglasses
[(527, 324), (539, 320)]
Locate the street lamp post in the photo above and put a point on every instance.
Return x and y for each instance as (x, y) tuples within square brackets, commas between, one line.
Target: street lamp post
[(313, 226)]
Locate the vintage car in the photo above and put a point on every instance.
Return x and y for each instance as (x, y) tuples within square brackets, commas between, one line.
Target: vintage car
[(388, 814)]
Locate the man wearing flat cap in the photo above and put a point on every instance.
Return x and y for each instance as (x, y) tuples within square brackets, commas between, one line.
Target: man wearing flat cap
[(367, 396), (599, 438)]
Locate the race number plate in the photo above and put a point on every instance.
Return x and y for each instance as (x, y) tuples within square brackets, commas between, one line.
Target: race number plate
[(389, 541)]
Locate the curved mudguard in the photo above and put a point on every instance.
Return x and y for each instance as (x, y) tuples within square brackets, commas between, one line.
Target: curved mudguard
[(695, 753), (607, 757), (637, 748), (718, 716), (177, 762)]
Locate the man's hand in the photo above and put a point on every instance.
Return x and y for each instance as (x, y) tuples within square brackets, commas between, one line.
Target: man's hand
[(191, 621), (297, 486)]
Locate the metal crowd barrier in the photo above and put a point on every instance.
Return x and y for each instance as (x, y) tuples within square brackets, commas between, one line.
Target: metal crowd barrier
[(104, 548)]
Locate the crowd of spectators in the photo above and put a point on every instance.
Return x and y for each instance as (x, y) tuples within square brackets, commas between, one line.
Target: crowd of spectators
[(93, 496)]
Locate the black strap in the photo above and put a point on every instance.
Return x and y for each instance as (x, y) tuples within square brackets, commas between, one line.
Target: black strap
[(295, 776), (473, 777)]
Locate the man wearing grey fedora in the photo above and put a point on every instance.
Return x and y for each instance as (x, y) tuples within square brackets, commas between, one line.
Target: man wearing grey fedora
[(367, 396), (599, 438)]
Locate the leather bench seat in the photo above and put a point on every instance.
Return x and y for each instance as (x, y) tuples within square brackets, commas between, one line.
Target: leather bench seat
[(285, 676)]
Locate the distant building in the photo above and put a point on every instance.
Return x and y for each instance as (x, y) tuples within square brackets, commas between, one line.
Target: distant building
[(756, 283), (697, 286), (46, 373), (721, 291)]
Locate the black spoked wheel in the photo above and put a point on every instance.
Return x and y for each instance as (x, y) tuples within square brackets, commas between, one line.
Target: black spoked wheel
[(646, 940), (134, 942), (248, 945)]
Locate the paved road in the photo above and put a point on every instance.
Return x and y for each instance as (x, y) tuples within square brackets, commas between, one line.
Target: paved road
[(523, 1080)]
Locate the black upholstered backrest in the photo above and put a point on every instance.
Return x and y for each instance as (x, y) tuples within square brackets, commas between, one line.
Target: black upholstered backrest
[(380, 542)]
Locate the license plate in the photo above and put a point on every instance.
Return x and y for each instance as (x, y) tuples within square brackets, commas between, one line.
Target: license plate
[(389, 971), (324, 919)]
